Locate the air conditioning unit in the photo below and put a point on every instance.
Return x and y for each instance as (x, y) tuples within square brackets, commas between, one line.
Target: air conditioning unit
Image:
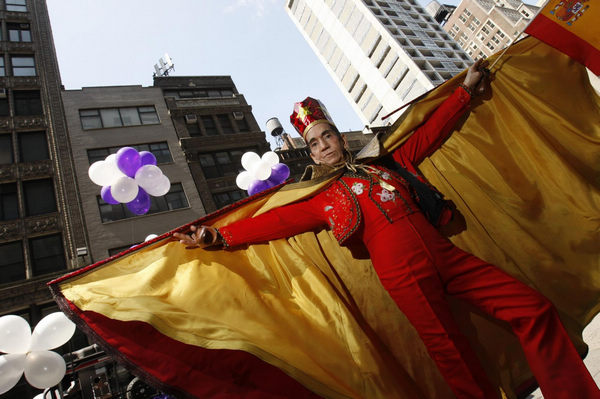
[(238, 116), (190, 118), (3, 93)]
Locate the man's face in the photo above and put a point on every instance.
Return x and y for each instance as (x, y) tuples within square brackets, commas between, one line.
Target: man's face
[(325, 144)]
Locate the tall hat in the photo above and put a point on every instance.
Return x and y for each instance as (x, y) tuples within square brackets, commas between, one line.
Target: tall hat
[(308, 113)]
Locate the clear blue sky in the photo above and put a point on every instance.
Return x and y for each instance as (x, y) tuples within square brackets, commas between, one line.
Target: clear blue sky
[(117, 42)]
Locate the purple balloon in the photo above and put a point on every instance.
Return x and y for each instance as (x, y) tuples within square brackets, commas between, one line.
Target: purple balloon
[(107, 196), (279, 173), (147, 158), (259, 185), (140, 205), (128, 160)]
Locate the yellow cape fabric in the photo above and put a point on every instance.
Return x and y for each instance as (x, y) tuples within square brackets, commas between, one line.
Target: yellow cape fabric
[(523, 168)]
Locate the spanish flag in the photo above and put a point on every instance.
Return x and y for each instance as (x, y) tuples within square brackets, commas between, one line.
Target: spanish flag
[(303, 317), (571, 26)]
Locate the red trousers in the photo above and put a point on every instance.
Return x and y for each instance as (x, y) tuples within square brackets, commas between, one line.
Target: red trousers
[(418, 266)]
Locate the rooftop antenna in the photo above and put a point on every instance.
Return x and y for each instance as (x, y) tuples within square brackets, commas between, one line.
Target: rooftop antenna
[(164, 66)]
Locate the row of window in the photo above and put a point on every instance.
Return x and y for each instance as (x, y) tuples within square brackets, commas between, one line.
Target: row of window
[(17, 32), (16, 5), (20, 65), (228, 197), (174, 199), (213, 125), (46, 254), (160, 151), (222, 163), (118, 117), (197, 93), (38, 198), (24, 102), (32, 146)]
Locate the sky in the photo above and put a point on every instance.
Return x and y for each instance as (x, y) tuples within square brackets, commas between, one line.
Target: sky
[(117, 42)]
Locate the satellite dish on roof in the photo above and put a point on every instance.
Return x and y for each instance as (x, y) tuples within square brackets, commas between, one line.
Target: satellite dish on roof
[(164, 66)]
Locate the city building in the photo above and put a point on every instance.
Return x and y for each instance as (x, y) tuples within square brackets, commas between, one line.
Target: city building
[(215, 126), (102, 120), (381, 54), (483, 27), (42, 233)]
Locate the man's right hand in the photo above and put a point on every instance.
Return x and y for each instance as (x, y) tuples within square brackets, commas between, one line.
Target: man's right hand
[(199, 237)]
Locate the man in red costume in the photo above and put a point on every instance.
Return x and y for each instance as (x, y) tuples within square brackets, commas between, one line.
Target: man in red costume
[(372, 204)]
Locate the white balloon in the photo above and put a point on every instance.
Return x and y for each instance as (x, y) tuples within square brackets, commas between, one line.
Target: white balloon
[(44, 369), (125, 189), (105, 173), (271, 158), (51, 332), (261, 170), (249, 159), (11, 370), (162, 186), (150, 237), (15, 334), (148, 176), (244, 179)]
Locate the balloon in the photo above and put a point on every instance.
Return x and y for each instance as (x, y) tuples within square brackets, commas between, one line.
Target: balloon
[(107, 196), (147, 158), (150, 237), (124, 189), (261, 170), (44, 369), (244, 179), (15, 334), (270, 158), (161, 188), (51, 332), (279, 173), (148, 176), (249, 159), (128, 160), (140, 205), (11, 369), (259, 185)]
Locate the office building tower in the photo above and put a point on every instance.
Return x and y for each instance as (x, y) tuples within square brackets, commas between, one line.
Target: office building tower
[(381, 54)]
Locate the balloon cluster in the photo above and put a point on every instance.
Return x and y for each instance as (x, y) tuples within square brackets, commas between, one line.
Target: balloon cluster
[(30, 353), (261, 173), (129, 177)]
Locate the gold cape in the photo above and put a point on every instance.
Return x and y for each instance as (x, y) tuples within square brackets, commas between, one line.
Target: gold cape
[(523, 168)]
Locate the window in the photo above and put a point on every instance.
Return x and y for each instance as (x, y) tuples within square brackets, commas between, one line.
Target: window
[(225, 123), (9, 205), (6, 154), (27, 102), (228, 197), (490, 46), (174, 199), (490, 24), (33, 146), (223, 163), (193, 129), (23, 65), (4, 109), (160, 151), (39, 197), (19, 32), (118, 250), (476, 21), (217, 93), (16, 5), (2, 66), (210, 128), (12, 265), (117, 117), (47, 254), (242, 124), (471, 27)]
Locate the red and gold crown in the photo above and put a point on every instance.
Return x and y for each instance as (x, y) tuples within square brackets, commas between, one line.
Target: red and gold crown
[(308, 113)]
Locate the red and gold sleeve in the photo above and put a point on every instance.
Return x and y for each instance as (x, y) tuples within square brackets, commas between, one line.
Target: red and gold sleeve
[(431, 134), (285, 221)]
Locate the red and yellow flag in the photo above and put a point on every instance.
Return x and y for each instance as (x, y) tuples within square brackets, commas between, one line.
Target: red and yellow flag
[(571, 26)]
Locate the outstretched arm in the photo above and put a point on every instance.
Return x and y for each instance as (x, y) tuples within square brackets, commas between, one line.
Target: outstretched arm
[(285, 221), (431, 134)]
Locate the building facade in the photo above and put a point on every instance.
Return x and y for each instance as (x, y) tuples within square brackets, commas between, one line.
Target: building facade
[(484, 27), (215, 127), (381, 54), (100, 121)]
